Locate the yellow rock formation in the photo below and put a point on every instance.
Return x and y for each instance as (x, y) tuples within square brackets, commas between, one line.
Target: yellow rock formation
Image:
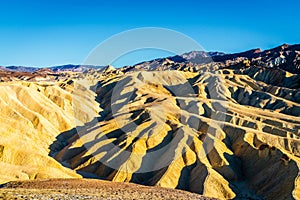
[(223, 134)]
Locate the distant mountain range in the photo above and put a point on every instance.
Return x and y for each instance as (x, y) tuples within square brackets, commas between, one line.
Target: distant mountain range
[(286, 57), (68, 67)]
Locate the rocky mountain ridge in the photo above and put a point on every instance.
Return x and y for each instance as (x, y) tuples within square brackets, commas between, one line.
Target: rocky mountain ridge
[(286, 57)]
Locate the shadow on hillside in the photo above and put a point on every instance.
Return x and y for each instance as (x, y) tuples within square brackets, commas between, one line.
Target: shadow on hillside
[(262, 173)]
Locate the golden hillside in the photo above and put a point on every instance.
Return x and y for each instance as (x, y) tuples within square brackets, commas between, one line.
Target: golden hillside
[(32, 115), (228, 129)]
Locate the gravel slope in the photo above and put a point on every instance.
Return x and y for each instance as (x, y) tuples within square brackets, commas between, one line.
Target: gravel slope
[(88, 189)]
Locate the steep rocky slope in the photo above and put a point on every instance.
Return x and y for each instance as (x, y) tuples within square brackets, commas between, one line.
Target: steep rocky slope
[(218, 134), (32, 115), (225, 126)]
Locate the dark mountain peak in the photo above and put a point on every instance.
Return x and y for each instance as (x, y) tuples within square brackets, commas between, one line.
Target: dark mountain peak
[(178, 58), (202, 54)]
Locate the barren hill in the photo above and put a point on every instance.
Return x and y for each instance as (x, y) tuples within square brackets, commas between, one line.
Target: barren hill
[(225, 126)]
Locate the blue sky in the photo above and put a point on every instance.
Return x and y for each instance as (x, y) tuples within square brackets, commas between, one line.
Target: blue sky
[(46, 33)]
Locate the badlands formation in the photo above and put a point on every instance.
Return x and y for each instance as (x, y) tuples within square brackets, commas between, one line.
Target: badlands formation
[(220, 125)]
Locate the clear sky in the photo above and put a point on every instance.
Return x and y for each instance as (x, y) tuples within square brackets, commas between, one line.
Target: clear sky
[(46, 33)]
